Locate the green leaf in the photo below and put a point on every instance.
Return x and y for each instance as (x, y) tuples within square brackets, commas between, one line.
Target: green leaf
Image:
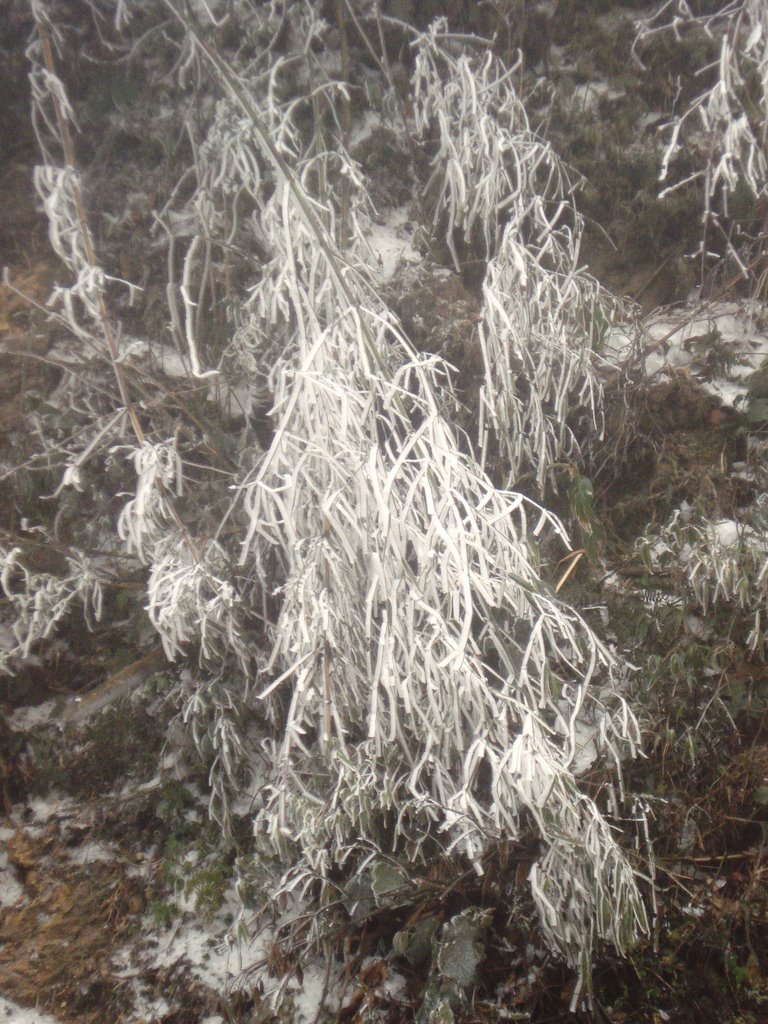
[(581, 496), (645, 554)]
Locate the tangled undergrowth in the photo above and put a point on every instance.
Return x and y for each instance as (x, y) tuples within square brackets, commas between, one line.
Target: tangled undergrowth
[(344, 426)]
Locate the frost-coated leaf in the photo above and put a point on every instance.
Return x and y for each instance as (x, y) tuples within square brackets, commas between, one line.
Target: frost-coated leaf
[(435, 1008), (415, 942), (460, 949), (387, 880)]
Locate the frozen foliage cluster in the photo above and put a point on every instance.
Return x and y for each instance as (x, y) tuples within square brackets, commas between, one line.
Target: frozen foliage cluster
[(498, 186), (417, 652), (190, 599), (36, 602), (59, 185), (727, 124), (360, 586), (724, 132), (724, 563)]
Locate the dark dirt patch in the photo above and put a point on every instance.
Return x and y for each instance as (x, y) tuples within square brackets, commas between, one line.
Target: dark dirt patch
[(26, 340), (57, 944)]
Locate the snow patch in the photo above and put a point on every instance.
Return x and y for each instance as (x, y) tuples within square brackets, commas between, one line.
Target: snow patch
[(365, 128), (42, 809), (392, 243), (15, 1014), (588, 95), (91, 853), (214, 956), (308, 1000), (679, 342), (727, 533), (11, 892), (24, 719)]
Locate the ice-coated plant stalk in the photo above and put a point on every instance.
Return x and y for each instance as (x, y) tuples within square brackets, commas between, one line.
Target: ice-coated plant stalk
[(62, 195), (394, 549), (731, 118)]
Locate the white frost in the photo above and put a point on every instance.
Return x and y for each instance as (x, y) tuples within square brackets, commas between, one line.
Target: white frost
[(392, 242), (671, 345), (14, 1014)]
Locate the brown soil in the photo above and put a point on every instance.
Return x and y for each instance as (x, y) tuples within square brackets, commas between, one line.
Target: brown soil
[(57, 944)]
